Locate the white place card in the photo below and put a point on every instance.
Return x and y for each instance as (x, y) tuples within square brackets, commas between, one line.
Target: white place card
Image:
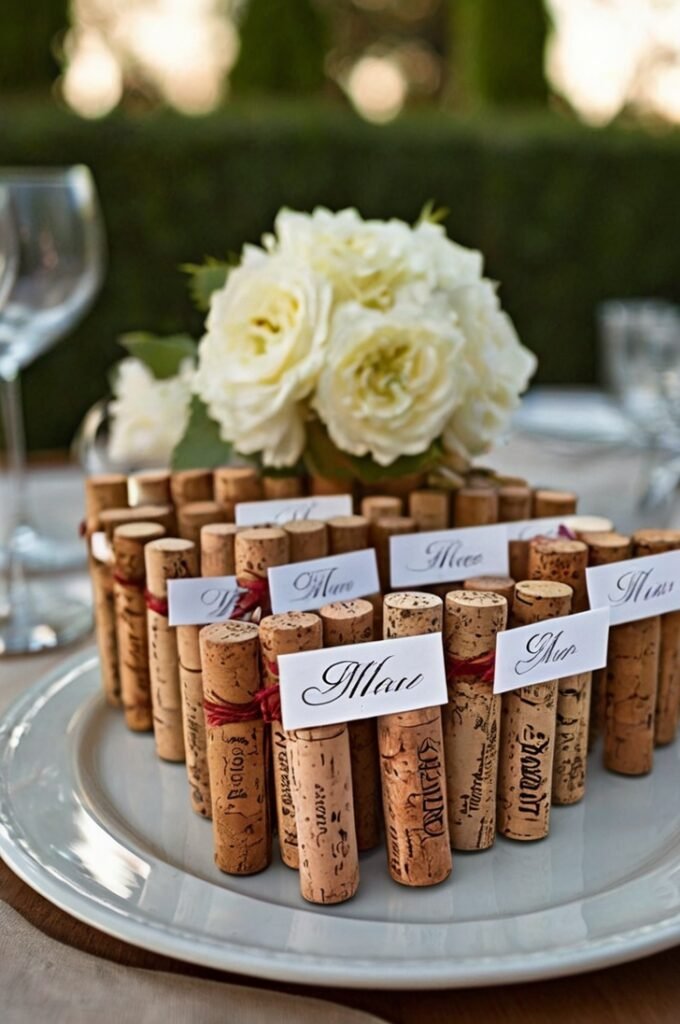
[(446, 556), (527, 529), (551, 649), (100, 547), (636, 588), (323, 506), (304, 586), (201, 600), (342, 684)]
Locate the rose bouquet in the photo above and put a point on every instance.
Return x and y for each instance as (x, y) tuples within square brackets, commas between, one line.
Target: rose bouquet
[(348, 347)]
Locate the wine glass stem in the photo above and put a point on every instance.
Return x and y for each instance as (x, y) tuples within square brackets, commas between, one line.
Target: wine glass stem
[(15, 446)]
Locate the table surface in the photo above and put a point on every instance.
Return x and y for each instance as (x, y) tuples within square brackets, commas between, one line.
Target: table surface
[(646, 991)]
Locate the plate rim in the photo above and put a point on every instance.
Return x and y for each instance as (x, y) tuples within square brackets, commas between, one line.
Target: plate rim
[(303, 968)]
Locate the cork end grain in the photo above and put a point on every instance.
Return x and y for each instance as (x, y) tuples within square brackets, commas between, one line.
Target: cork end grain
[(411, 612), (260, 547), (168, 558)]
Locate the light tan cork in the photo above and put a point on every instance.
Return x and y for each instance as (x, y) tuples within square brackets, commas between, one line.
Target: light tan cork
[(347, 533), (471, 719), (514, 503), (191, 485), (503, 585), (133, 650), (196, 514), (103, 491), (561, 560), (528, 724), (287, 633), (163, 515), (657, 542), (381, 531), (351, 622), (475, 506), (276, 488), (430, 509), (554, 503), (328, 485), (193, 719), (217, 549), (411, 749), (150, 487), (580, 525), (603, 549), (234, 484), (167, 559), (237, 751), (321, 781), (379, 506), (307, 538), (571, 738), (632, 680), (256, 550)]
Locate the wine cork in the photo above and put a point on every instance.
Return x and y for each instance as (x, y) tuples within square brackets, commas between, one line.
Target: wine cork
[(287, 633), (381, 531), (429, 509), (657, 542), (196, 514), (503, 585), (514, 503), (472, 716), (351, 622), (277, 487), (191, 485), (561, 560), (193, 719), (163, 515), (553, 503), (528, 723), (307, 538), (129, 584), (380, 506), (580, 525), (321, 780), (329, 484), (603, 549), (475, 506), (150, 487), (411, 749), (236, 749), (347, 533), (101, 493), (632, 681), (234, 484), (256, 550), (167, 559), (217, 549)]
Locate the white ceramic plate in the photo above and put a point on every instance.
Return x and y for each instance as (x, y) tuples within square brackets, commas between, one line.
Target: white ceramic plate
[(93, 821)]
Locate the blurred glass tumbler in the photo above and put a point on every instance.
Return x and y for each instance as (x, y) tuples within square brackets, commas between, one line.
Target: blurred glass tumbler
[(640, 353), (54, 237)]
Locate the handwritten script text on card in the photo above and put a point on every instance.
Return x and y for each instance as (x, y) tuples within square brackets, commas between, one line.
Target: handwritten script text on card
[(341, 684), (304, 586), (202, 600), (325, 506), (445, 556), (636, 588)]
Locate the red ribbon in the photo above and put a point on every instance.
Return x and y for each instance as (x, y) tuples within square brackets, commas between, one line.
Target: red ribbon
[(265, 705), (256, 598), (481, 668), (82, 528), (565, 532), (159, 605), (131, 584)]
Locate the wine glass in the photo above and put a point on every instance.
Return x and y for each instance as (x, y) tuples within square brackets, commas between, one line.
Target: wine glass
[(60, 270), (59, 266)]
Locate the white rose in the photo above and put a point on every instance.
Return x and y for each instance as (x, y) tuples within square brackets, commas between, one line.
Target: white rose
[(444, 264), (366, 261), (480, 420), (148, 416), (264, 347), (391, 380)]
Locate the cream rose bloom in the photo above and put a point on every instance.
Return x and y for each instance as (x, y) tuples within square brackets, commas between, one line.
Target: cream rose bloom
[(148, 416), (391, 380), (265, 343), (500, 370), (366, 261)]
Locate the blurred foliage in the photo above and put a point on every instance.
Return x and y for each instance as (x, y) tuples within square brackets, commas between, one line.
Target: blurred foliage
[(29, 39), (566, 216), (497, 51), (283, 43)]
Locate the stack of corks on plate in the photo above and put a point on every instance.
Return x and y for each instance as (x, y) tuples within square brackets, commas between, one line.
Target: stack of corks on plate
[(422, 783)]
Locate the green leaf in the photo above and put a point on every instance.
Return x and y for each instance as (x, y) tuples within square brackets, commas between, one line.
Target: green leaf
[(433, 214), (163, 356), (201, 447), (322, 457), (206, 278)]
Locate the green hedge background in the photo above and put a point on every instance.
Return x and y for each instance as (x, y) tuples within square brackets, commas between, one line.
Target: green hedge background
[(566, 216)]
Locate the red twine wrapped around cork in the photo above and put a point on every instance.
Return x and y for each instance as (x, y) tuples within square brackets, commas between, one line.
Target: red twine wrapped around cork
[(256, 598), (131, 584), (481, 668), (265, 705), (159, 605)]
